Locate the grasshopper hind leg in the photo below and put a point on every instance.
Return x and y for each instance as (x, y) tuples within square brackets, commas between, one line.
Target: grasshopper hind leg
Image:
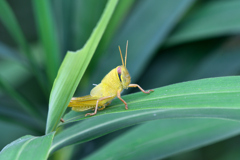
[(103, 107)]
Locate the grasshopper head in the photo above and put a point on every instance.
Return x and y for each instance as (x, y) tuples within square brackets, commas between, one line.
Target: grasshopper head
[(124, 76), (123, 73)]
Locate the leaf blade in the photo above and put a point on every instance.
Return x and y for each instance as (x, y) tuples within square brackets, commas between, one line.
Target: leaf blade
[(74, 62), (221, 20), (48, 36), (169, 96), (146, 38), (9, 20), (161, 138), (25, 104), (28, 147), (212, 98)]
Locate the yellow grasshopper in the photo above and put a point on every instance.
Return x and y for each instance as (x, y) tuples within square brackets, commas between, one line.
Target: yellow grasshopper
[(110, 87)]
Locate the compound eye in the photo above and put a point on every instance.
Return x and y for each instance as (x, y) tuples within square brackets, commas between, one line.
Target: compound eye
[(119, 73), (119, 70)]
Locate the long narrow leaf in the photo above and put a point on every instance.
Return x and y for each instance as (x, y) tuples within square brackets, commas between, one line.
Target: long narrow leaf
[(10, 21), (25, 105), (9, 53), (180, 64), (13, 117), (215, 63), (28, 148), (63, 14), (213, 98), (13, 73), (120, 13), (47, 33), (159, 17), (189, 96), (72, 69), (214, 18), (82, 26), (11, 24), (161, 138)]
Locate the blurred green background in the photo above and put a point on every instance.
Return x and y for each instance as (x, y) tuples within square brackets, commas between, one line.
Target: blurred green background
[(169, 42)]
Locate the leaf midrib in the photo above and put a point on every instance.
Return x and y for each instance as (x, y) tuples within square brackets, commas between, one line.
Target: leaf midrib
[(177, 95), (166, 108), (24, 146), (153, 110)]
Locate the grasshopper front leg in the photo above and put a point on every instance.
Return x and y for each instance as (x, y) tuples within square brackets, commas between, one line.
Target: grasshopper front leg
[(136, 85)]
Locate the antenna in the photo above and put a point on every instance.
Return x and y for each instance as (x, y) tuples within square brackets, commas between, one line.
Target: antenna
[(121, 55), (126, 54)]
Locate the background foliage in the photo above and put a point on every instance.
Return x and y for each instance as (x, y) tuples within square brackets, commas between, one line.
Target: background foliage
[(169, 42)]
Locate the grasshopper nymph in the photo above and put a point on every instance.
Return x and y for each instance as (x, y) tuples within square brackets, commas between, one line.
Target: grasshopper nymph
[(110, 87)]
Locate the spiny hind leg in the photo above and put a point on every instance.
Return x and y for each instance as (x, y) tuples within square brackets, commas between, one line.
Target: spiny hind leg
[(102, 108), (99, 108), (109, 102), (136, 85), (96, 108)]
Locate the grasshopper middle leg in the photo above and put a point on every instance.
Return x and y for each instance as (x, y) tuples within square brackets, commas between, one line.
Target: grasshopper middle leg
[(96, 108)]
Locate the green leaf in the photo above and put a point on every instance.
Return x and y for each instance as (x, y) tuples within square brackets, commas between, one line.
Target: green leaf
[(9, 53), (28, 148), (10, 22), (72, 70), (10, 125), (214, 64), (14, 117), (25, 104), (14, 73), (48, 35), (154, 21), (214, 18), (120, 13), (179, 64), (63, 14), (83, 26), (189, 96), (162, 138), (232, 153), (213, 98), (122, 9)]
